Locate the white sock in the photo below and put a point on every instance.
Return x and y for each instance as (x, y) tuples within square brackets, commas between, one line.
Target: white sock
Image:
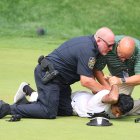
[(33, 97)]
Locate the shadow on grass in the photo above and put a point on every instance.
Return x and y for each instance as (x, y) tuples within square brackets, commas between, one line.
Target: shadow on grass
[(126, 119)]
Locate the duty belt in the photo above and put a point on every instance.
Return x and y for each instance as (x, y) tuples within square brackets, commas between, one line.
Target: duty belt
[(48, 67)]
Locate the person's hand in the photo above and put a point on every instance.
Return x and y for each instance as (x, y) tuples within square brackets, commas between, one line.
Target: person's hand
[(115, 80), (106, 77)]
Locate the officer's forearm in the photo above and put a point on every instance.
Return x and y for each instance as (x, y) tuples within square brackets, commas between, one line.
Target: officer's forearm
[(95, 87), (99, 75), (91, 84)]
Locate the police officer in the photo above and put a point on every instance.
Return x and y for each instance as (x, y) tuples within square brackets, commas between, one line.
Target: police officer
[(72, 61)]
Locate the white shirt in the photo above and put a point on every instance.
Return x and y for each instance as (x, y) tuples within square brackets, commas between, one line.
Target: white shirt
[(84, 102)]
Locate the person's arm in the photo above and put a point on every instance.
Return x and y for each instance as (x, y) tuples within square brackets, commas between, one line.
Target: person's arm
[(132, 80), (91, 83), (101, 78), (100, 64), (113, 95)]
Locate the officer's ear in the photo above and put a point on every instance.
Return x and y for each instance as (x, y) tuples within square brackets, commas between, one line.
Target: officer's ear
[(98, 40)]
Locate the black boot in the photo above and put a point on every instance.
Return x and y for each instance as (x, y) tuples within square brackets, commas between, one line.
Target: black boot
[(4, 109)]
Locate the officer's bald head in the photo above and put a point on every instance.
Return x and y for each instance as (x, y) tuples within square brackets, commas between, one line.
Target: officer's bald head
[(106, 34), (126, 47), (105, 40)]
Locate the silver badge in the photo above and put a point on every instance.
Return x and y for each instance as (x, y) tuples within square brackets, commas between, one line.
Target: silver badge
[(91, 62)]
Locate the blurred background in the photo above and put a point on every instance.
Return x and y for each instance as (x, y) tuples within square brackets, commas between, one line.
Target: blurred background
[(62, 19), (30, 28)]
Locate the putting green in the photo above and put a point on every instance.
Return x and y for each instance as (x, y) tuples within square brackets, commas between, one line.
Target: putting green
[(18, 57)]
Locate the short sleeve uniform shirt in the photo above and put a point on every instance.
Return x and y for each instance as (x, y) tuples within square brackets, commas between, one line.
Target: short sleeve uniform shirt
[(75, 57)]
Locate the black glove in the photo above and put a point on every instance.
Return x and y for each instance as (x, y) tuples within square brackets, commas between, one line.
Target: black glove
[(15, 118)]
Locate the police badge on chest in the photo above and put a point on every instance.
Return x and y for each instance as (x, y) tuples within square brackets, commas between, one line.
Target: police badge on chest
[(91, 62)]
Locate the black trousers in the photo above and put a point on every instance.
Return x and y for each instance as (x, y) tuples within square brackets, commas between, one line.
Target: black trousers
[(54, 99)]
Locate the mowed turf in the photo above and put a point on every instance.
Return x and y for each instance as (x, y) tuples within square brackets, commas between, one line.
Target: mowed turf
[(18, 58)]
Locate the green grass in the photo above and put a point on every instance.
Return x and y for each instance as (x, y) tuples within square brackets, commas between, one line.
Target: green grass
[(63, 19), (20, 48), (18, 57), (68, 128)]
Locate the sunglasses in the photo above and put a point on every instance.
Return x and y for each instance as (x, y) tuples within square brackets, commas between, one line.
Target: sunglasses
[(108, 45)]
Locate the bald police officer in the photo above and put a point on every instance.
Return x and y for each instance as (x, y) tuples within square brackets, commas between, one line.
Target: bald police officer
[(73, 61)]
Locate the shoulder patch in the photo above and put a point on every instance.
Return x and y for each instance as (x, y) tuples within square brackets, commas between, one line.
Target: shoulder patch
[(91, 62)]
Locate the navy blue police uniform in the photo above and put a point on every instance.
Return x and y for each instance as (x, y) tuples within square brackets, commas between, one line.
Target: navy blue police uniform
[(73, 58)]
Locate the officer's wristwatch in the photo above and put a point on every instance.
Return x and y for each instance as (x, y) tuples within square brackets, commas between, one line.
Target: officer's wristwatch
[(123, 80)]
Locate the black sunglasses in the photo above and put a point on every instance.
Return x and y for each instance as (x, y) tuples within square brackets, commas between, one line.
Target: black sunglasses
[(108, 45)]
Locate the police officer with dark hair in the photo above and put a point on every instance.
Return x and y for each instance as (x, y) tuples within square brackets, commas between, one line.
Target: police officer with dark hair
[(72, 61)]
